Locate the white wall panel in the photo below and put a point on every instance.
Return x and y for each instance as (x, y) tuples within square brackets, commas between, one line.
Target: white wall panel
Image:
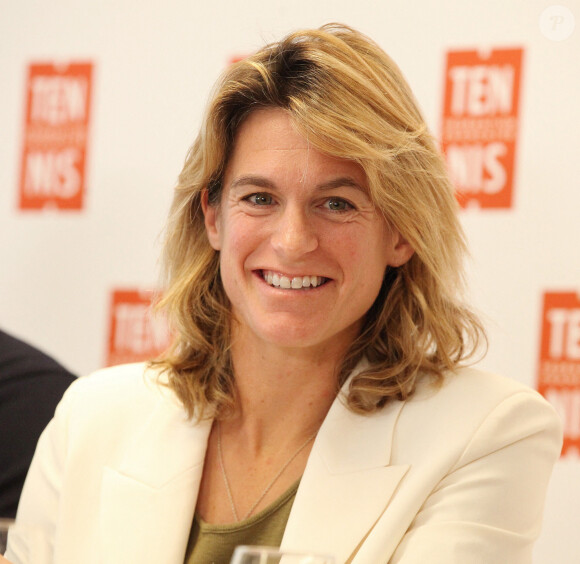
[(154, 64)]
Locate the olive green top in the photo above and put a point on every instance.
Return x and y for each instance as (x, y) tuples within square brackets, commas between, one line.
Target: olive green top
[(215, 544)]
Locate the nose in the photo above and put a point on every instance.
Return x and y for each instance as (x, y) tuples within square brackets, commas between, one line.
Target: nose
[(294, 234)]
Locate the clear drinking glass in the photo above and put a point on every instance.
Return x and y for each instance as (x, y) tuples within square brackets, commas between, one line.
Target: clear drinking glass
[(269, 555)]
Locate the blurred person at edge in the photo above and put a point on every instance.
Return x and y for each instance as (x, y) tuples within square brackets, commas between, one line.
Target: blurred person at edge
[(317, 394), (31, 385)]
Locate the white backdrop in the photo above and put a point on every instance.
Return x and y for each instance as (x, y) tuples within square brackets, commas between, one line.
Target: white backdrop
[(154, 64)]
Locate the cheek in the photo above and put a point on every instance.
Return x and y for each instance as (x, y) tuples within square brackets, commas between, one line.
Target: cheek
[(239, 242), (366, 251), (369, 260)]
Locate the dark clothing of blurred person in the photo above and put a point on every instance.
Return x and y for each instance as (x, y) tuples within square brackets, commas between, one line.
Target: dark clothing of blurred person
[(31, 385)]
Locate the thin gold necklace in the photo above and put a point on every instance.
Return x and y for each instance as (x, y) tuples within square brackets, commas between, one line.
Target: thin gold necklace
[(267, 488)]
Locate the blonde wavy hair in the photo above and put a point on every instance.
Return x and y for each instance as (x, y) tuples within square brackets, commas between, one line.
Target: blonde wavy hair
[(351, 101)]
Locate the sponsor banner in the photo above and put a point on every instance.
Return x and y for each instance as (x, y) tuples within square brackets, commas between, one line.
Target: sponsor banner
[(54, 152), (480, 124), (559, 364), (136, 333)]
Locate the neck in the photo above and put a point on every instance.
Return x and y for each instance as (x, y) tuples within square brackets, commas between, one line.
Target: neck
[(282, 392)]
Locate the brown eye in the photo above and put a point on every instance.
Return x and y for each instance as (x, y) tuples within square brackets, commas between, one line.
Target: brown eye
[(260, 199), (338, 205)]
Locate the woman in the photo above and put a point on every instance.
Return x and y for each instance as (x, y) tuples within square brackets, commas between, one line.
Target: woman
[(313, 246)]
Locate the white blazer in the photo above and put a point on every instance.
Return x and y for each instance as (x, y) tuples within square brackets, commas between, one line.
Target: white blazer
[(457, 474)]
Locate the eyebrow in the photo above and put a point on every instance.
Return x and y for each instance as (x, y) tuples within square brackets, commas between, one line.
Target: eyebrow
[(342, 181), (262, 182), (252, 180)]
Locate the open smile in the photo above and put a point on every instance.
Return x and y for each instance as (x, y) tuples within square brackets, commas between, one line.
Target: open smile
[(292, 283)]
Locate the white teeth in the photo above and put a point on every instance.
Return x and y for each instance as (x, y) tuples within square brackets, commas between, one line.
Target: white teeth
[(295, 283)]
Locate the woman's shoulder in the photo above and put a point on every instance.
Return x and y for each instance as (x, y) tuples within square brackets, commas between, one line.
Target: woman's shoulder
[(469, 397), (132, 378), (474, 385), (132, 388), (472, 413)]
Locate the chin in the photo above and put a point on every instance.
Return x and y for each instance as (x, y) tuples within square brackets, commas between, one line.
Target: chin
[(292, 340), (308, 337)]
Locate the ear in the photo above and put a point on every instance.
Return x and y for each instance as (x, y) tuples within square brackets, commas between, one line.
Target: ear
[(401, 250), (212, 221)]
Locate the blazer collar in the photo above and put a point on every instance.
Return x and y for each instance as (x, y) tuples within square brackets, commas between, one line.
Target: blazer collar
[(148, 500), (347, 484)]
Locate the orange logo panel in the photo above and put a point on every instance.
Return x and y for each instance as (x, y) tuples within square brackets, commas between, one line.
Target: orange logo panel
[(136, 333), (236, 59), (480, 124), (54, 153), (559, 365)]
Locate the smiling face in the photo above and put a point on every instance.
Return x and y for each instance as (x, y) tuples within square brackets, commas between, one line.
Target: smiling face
[(302, 249)]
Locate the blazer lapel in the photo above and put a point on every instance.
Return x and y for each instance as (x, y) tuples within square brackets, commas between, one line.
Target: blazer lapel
[(149, 499), (347, 483)]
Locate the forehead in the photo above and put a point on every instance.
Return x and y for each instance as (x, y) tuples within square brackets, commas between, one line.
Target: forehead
[(269, 128), (268, 143)]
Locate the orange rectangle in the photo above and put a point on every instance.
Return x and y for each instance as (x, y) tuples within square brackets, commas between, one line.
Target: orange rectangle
[(559, 361), (56, 125), (135, 333), (480, 124)]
